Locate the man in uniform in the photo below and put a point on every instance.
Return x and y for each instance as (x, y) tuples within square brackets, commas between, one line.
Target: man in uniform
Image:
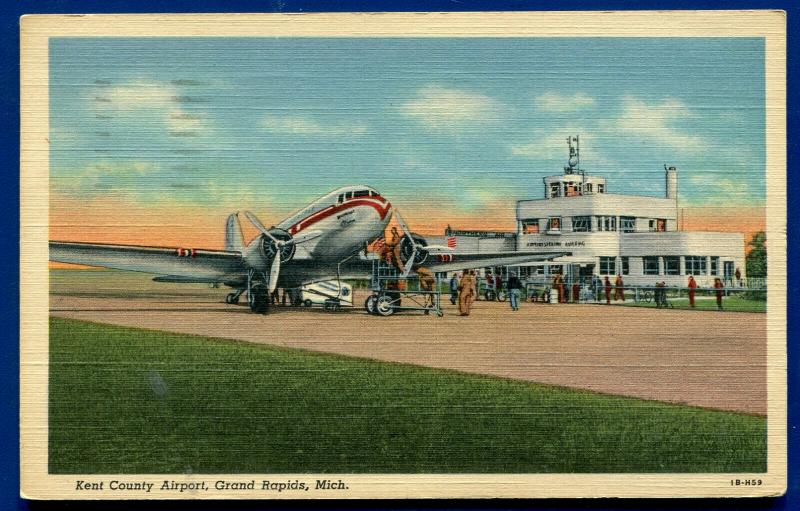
[(473, 275), (557, 287), (718, 286), (390, 252), (426, 283), (619, 291), (692, 286), (465, 289), (607, 285)]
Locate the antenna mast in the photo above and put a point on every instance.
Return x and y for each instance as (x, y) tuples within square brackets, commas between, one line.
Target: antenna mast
[(573, 163)]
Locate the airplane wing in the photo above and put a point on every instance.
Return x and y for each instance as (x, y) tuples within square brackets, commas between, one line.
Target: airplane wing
[(361, 268), (457, 262), (188, 263)]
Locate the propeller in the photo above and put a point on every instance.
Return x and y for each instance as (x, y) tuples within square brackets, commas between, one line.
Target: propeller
[(410, 263), (258, 225), (274, 272), (405, 229), (275, 268)]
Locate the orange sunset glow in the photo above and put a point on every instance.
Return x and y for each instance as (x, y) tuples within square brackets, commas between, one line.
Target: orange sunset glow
[(111, 220)]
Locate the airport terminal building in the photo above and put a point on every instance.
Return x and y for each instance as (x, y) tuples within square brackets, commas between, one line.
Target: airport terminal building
[(605, 233)]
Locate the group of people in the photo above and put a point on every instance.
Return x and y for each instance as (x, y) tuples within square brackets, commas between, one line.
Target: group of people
[(661, 291), (718, 288), (619, 290), (464, 290)]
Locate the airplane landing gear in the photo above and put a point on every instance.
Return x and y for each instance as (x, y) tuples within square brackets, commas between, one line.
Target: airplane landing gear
[(233, 298), (369, 304), (258, 298)]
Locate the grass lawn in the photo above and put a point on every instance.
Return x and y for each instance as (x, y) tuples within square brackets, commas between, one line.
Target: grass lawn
[(125, 400), (729, 303)]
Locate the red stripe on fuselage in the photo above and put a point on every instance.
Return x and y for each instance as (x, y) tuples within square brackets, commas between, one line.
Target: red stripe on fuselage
[(382, 209)]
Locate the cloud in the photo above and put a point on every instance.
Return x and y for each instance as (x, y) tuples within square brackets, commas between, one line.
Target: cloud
[(165, 100), (138, 94), (656, 121), (721, 190), (652, 124), (441, 108), (557, 102), (303, 125)]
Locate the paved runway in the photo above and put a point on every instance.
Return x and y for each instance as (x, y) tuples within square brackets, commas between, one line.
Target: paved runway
[(709, 359)]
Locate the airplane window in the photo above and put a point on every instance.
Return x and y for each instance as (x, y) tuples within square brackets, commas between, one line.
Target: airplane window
[(361, 193), (348, 195), (341, 197)]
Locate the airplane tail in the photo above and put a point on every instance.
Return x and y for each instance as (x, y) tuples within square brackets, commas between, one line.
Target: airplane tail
[(234, 242)]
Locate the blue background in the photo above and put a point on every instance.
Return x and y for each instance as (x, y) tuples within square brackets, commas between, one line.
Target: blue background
[(9, 243)]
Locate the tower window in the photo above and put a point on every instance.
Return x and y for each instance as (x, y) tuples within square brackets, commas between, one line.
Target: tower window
[(627, 223), (606, 223), (530, 226), (582, 223)]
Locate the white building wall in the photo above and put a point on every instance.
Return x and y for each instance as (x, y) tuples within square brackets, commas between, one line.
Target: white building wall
[(600, 204)]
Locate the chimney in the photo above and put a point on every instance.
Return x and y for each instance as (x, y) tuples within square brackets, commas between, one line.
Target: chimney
[(672, 182)]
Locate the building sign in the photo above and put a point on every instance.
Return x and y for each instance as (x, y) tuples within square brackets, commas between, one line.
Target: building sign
[(555, 244)]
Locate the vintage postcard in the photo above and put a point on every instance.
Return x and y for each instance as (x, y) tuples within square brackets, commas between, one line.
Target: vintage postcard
[(403, 255)]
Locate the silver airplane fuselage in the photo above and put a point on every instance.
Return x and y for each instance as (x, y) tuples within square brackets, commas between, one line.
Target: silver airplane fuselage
[(345, 220)]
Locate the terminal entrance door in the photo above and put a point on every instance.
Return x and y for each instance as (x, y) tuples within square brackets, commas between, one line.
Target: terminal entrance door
[(727, 271)]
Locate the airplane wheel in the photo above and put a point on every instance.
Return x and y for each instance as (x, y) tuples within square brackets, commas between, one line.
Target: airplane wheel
[(258, 298), (231, 298), (308, 303), (369, 304), (384, 306)]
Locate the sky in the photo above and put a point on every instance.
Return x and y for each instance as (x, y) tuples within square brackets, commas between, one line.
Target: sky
[(156, 140)]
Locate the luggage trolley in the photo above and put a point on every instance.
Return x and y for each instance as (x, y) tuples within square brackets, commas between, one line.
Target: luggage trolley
[(391, 292)]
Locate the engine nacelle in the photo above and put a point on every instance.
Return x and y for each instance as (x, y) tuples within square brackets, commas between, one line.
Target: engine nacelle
[(406, 249), (269, 247)]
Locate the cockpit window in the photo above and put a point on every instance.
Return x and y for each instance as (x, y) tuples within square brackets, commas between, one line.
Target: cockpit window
[(361, 193), (348, 195), (341, 198)]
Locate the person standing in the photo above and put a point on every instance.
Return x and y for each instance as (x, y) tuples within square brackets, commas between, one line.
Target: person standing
[(514, 286), (660, 294), (454, 288), (738, 276), (557, 286), (692, 286), (464, 289), (718, 286), (427, 282), (475, 287), (607, 286), (619, 290)]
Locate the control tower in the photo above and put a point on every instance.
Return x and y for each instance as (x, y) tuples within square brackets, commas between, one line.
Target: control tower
[(573, 182)]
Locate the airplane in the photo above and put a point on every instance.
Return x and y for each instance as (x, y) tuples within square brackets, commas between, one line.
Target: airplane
[(323, 241)]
